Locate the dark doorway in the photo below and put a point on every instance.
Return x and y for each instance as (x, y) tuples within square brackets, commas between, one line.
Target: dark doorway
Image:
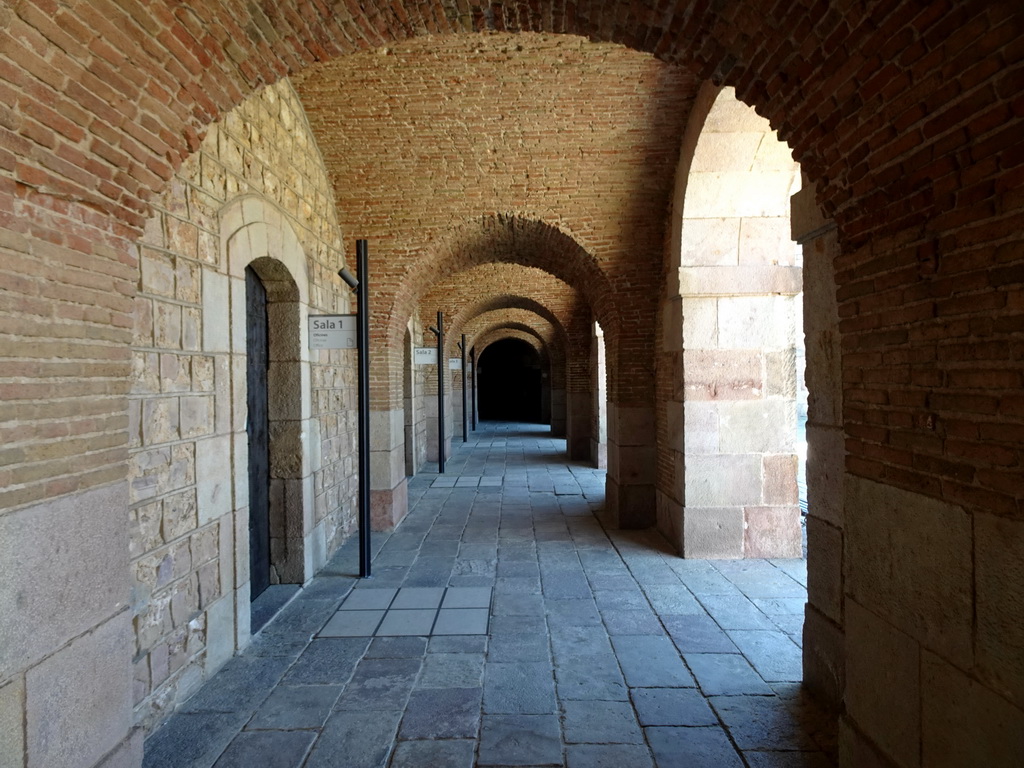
[(258, 429), (509, 381)]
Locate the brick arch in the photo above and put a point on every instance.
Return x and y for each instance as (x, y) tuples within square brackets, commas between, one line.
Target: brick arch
[(519, 331), (522, 320), (505, 239), (190, 65), (497, 303)]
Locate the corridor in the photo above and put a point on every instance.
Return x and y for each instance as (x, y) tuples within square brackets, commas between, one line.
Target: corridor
[(505, 625)]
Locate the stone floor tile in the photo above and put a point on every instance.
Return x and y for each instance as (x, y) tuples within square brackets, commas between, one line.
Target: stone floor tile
[(520, 688), (517, 625), (418, 598), (621, 599), (780, 606), (327, 661), (457, 644), (673, 599), (442, 713), (364, 738), (638, 622), (788, 760), (594, 677), (692, 748), (452, 670), (572, 613), (773, 654), (407, 622), (600, 722), (521, 740), (506, 648), (510, 604), (579, 641), (434, 754), (240, 686), (697, 633), (672, 706), (366, 599), (380, 685), (763, 723), (650, 661), (352, 624), (267, 749), (461, 621), (396, 648), (725, 674), (295, 706), (607, 756), (702, 579), (735, 612), (192, 739), (467, 597)]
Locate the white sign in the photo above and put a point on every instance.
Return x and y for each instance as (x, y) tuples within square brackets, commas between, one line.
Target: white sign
[(332, 332), (454, 363), (425, 356)]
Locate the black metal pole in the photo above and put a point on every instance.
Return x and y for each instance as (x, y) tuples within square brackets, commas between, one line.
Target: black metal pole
[(465, 419), (472, 380), (442, 371), (363, 308)]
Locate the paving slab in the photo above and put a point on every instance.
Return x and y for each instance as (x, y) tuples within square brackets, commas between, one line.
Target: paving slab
[(672, 706), (267, 749), (296, 706), (692, 748), (521, 740), (600, 722), (433, 754), (727, 674)]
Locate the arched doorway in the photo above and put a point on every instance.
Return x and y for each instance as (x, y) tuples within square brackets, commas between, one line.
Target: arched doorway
[(510, 382)]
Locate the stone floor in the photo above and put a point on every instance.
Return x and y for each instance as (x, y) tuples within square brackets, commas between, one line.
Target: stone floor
[(504, 625)]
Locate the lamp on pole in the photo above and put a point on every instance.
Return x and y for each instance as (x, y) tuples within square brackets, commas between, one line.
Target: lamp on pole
[(441, 372), (362, 288)]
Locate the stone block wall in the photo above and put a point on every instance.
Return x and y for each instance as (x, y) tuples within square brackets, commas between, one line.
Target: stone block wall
[(255, 191), (729, 338)]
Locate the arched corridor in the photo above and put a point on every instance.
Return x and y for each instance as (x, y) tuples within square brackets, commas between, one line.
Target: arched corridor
[(505, 625), (659, 199)]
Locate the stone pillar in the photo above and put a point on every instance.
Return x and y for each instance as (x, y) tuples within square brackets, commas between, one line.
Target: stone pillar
[(671, 495), (824, 663), (739, 374), (632, 462), (389, 497), (558, 400), (577, 425)]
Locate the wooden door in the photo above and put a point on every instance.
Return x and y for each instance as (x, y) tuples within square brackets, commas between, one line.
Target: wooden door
[(258, 428)]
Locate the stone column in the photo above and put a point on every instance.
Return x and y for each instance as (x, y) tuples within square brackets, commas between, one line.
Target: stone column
[(824, 665), (632, 462), (739, 374), (389, 497)]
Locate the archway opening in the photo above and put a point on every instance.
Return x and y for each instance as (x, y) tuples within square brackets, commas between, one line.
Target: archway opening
[(510, 382)]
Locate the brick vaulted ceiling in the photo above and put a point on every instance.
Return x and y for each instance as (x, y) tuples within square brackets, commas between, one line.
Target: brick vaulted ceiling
[(426, 137)]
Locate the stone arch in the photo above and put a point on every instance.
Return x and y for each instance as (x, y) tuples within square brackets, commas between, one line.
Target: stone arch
[(735, 317), (256, 235)]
